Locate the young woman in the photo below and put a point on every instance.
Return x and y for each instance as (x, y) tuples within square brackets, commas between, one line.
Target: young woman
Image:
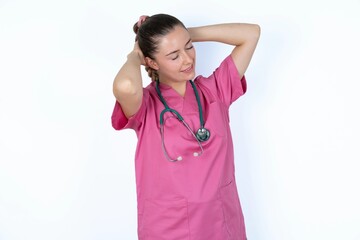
[(184, 160)]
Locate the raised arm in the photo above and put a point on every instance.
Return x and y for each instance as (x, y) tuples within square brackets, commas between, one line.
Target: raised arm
[(127, 86), (243, 36)]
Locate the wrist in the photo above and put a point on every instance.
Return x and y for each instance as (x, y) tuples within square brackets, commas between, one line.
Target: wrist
[(134, 58)]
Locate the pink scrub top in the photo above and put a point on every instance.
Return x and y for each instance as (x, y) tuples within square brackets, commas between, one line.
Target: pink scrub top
[(195, 198)]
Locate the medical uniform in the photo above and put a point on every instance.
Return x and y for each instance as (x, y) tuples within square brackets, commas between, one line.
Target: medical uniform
[(195, 198)]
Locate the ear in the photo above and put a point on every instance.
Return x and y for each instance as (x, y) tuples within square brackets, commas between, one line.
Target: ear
[(151, 63)]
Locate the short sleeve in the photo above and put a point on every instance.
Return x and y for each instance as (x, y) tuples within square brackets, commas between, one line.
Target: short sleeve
[(120, 121), (225, 82)]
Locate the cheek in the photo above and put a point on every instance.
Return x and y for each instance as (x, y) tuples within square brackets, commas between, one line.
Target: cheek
[(175, 66), (169, 67), (194, 53)]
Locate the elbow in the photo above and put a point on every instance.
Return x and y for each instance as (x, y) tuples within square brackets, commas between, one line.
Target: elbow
[(124, 88), (254, 34), (256, 31), (249, 33)]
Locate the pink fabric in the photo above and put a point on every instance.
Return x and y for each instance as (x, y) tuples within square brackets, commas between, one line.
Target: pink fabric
[(141, 20), (196, 198)]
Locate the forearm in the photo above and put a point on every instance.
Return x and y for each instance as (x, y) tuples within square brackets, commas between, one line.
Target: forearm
[(229, 33), (243, 36)]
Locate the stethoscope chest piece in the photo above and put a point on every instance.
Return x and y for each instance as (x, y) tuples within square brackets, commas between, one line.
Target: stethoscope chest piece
[(202, 134)]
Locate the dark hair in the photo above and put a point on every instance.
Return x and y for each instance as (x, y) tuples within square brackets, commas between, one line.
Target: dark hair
[(152, 29)]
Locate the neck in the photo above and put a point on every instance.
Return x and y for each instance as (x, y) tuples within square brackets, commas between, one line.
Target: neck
[(179, 87)]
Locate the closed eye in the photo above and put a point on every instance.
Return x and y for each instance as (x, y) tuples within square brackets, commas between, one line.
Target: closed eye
[(187, 48)]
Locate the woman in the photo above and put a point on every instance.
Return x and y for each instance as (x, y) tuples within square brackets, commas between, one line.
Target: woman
[(184, 160)]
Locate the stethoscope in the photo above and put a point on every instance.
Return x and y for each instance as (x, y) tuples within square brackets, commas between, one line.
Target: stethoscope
[(201, 135)]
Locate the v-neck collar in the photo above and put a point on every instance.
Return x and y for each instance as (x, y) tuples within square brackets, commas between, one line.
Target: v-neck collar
[(175, 100), (167, 90)]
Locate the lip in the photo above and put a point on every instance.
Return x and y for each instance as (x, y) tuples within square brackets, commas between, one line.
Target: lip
[(189, 69)]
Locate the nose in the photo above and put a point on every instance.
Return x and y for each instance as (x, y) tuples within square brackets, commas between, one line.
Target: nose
[(187, 57)]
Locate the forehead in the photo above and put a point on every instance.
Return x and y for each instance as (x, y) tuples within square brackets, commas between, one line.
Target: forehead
[(174, 40)]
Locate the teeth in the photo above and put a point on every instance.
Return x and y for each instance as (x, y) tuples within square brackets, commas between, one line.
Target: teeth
[(188, 69)]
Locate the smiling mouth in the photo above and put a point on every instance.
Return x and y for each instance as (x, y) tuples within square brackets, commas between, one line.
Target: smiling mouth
[(189, 69)]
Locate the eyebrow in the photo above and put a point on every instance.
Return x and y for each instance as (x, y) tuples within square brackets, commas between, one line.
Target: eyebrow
[(178, 50)]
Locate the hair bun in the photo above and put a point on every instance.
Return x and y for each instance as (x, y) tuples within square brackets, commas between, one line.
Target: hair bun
[(135, 28), (141, 20)]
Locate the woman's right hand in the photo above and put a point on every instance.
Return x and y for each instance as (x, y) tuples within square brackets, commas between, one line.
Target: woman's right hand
[(137, 55), (150, 71), (138, 51)]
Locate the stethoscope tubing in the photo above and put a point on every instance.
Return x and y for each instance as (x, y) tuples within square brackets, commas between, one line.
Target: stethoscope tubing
[(201, 135)]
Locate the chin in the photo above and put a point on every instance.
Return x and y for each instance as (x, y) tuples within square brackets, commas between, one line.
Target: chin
[(190, 75)]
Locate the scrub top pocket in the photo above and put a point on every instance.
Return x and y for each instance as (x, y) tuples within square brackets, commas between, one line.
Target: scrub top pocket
[(233, 215), (164, 220)]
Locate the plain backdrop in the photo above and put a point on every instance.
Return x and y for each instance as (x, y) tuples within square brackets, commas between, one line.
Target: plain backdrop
[(65, 173)]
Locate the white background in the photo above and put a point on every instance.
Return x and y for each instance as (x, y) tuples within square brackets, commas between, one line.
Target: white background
[(66, 174)]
